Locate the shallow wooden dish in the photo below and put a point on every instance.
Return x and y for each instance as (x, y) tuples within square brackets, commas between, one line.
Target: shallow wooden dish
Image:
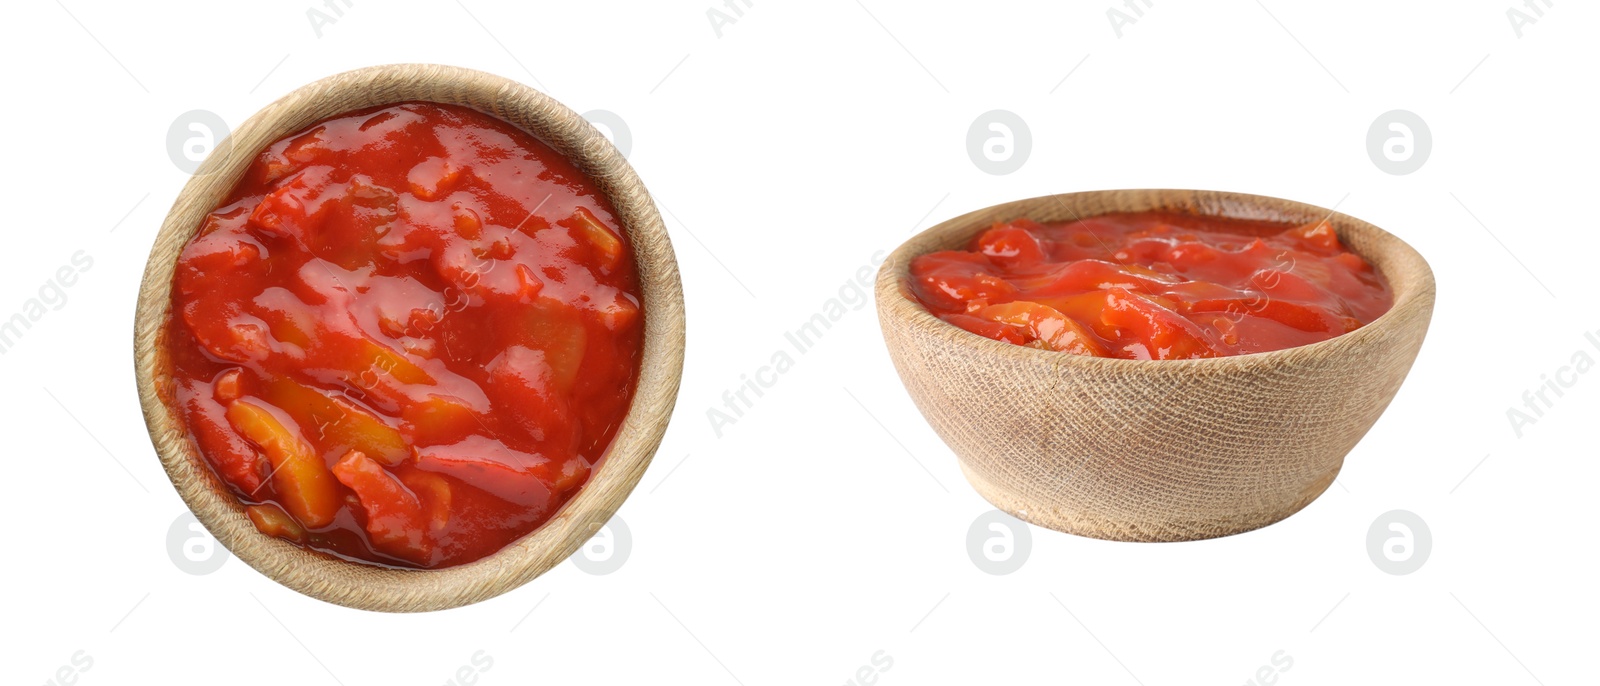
[(400, 590), (1168, 450)]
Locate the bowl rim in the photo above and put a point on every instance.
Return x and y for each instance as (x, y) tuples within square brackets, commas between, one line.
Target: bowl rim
[(892, 287), (368, 586)]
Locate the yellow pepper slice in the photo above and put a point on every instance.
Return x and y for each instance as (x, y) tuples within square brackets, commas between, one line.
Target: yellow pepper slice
[(299, 477)]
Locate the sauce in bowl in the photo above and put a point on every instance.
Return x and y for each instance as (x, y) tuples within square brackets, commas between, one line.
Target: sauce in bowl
[(1153, 285), (408, 335)]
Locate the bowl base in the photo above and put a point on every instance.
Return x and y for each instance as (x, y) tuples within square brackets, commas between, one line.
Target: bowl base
[(1174, 528)]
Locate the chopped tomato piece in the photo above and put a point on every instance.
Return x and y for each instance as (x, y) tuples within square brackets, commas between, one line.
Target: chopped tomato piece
[(1011, 246), (227, 386), (521, 383), (620, 313), (434, 178), (290, 210), (1318, 235)]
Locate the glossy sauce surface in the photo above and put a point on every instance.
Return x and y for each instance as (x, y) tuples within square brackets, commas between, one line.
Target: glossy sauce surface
[(1153, 285), (408, 336)]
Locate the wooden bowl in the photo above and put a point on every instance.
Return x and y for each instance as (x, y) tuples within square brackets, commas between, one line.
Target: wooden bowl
[(1163, 450), (373, 587)]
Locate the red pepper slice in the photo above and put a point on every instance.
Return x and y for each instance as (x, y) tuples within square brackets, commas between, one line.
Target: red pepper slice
[(235, 460), (395, 518), (1159, 332), (487, 464)]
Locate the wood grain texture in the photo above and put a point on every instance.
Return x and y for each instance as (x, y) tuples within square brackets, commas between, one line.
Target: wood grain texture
[(397, 590), (1140, 450)]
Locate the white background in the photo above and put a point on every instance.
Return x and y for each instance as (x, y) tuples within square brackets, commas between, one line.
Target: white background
[(785, 153)]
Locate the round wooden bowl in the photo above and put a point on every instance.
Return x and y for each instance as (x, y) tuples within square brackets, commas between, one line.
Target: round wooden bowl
[(1153, 450), (373, 587)]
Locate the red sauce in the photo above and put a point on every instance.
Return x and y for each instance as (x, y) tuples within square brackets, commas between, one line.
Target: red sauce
[(408, 336), (1153, 286)]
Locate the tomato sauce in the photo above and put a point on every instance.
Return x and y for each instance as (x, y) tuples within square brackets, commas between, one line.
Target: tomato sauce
[(407, 337), (1153, 285)]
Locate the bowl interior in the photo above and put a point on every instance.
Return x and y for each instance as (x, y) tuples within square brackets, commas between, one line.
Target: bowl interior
[(368, 586)]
